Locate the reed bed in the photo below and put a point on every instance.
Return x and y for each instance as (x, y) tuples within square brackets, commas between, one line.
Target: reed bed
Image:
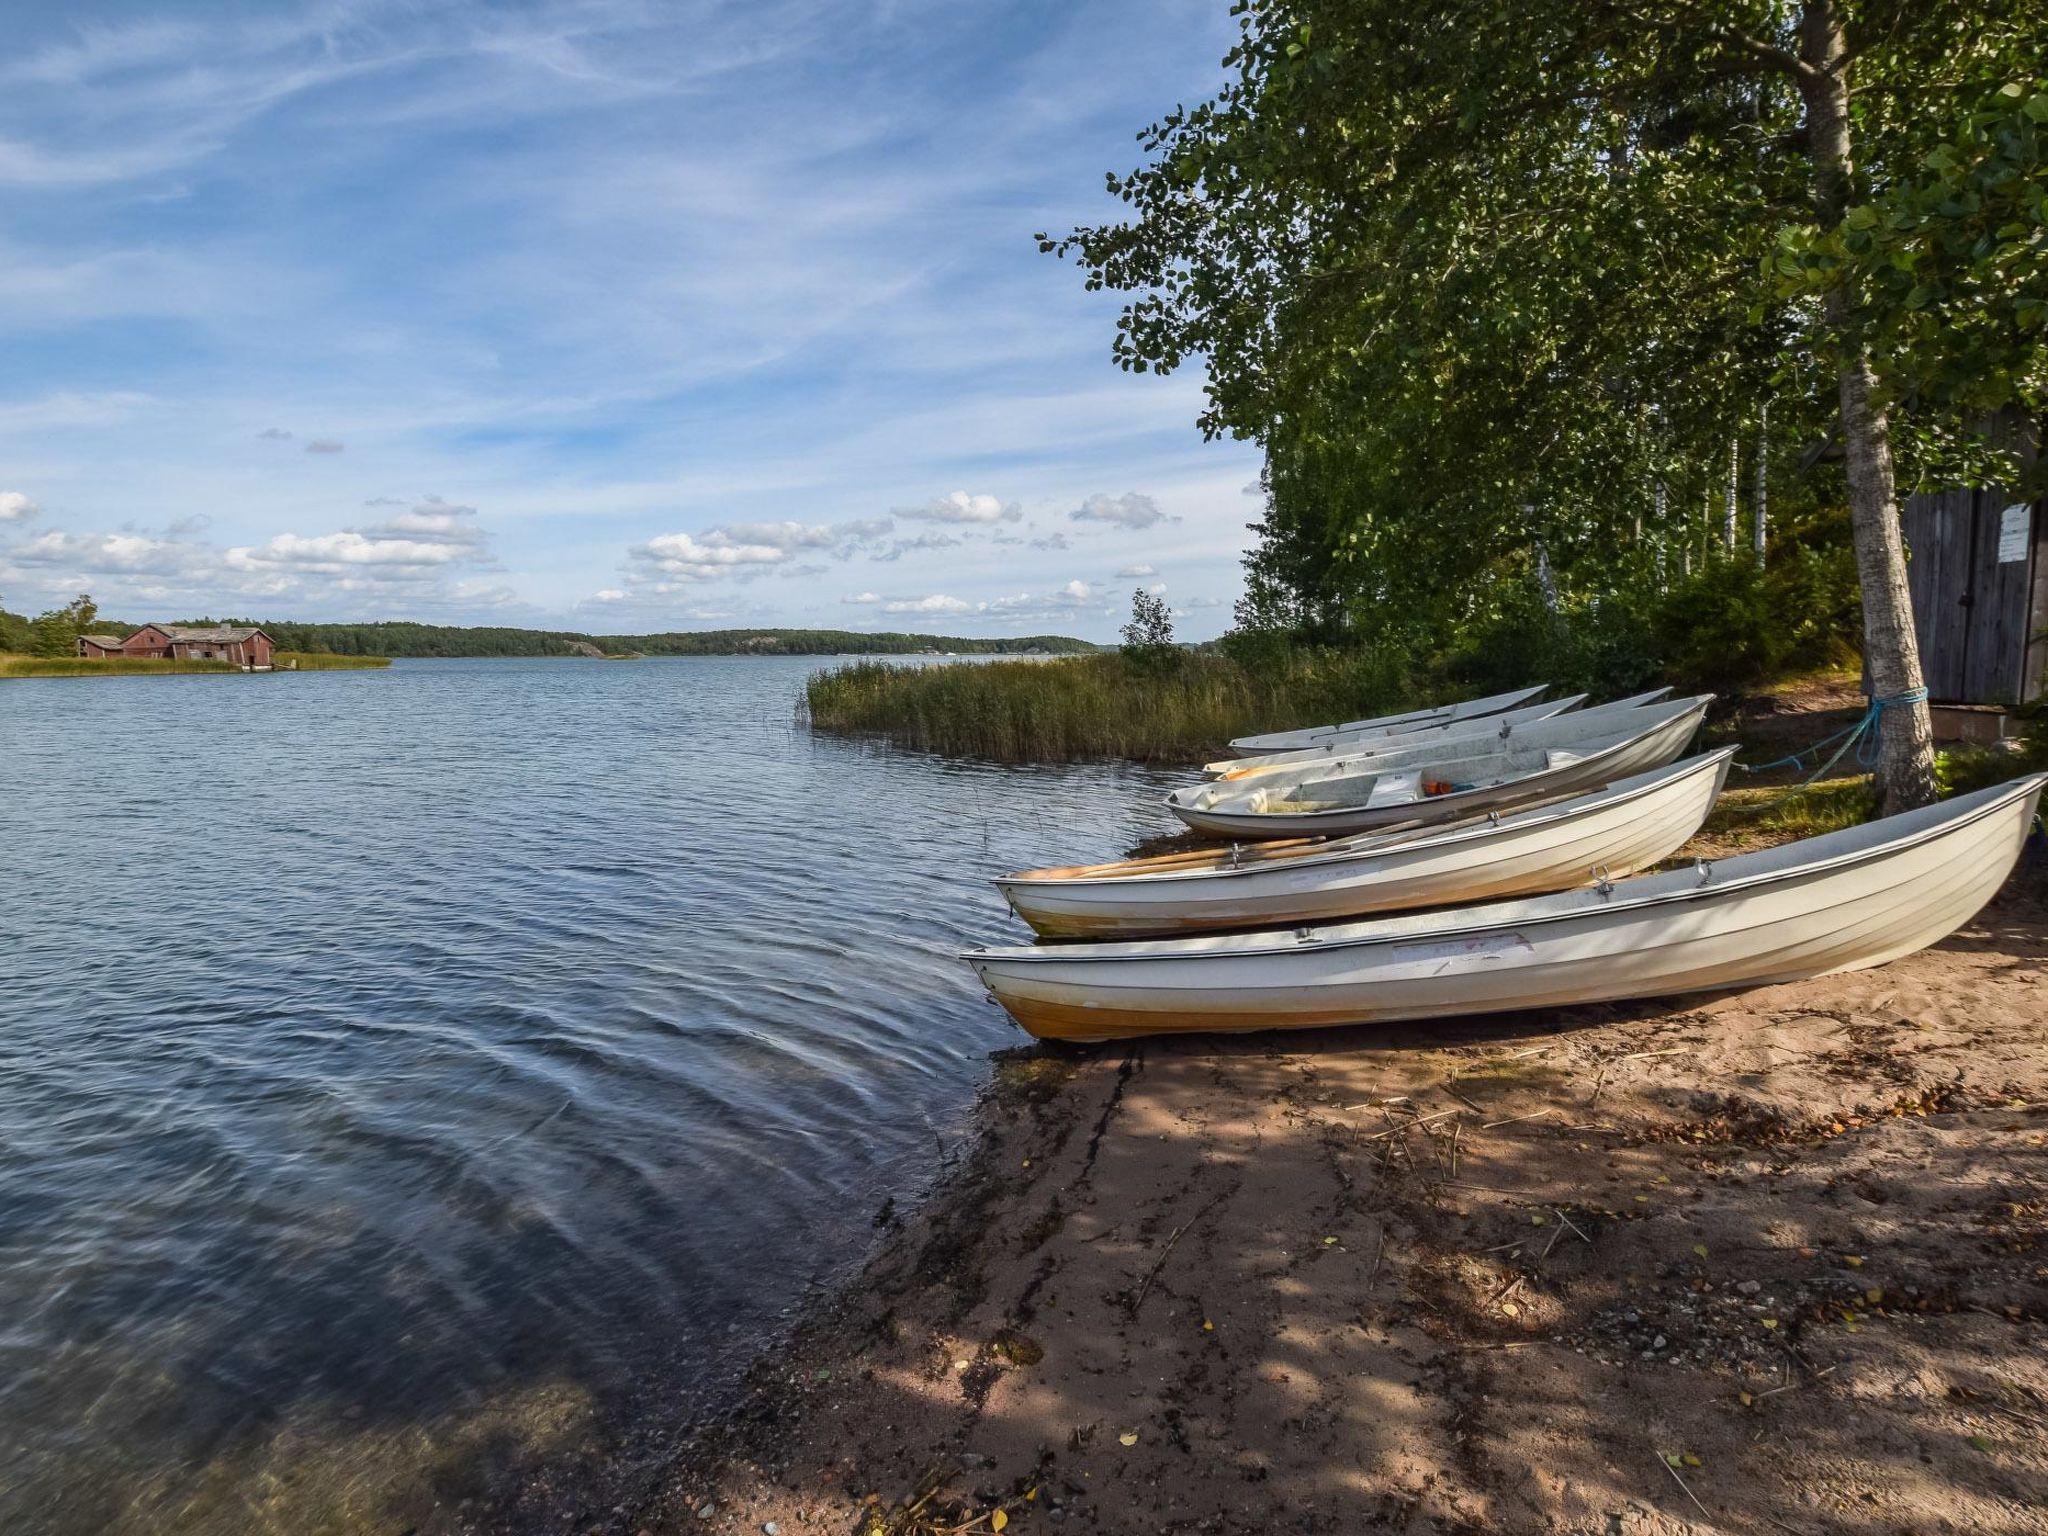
[(1181, 708), (326, 661), (112, 666)]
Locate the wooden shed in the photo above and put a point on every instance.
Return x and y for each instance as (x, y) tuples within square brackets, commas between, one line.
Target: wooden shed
[(1978, 567)]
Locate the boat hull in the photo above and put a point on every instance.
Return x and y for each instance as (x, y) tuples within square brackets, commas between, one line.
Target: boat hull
[(1351, 744), (1609, 834), (1414, 719), (1652, 749), (1778, 916)]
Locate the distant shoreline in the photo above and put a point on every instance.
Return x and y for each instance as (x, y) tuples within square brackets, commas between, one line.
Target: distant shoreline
[(15, 667)]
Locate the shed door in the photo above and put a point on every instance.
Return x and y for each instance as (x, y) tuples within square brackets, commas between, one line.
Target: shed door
[(1974, 555)]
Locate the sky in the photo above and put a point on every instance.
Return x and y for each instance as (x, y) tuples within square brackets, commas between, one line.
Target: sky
[(619, 315)]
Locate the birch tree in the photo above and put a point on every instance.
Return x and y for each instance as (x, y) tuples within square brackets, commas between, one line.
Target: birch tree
[(1446, 261)]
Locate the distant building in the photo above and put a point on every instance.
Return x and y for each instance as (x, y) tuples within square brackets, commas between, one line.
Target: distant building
[(244, 645)]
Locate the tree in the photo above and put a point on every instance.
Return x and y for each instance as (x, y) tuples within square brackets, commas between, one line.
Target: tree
[(1506, 279), (56, 632), (1148, 638)]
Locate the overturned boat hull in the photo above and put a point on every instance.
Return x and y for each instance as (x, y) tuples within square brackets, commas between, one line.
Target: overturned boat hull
[(1843, 901), (1613, 832)]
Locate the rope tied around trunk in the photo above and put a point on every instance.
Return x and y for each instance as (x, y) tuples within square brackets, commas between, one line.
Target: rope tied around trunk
[(1861, 733)]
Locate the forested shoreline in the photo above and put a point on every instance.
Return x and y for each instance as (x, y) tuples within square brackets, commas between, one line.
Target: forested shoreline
[(408, 639), (55, 633)]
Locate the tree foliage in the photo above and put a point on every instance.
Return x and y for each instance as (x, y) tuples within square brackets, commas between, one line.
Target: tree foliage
[(56, 632), (1504, 287), (1148, 637)]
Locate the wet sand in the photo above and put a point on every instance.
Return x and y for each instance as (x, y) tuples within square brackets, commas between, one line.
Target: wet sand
[(1771, 1261)]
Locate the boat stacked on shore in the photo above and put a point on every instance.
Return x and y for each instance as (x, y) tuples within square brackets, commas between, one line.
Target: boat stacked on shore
[(1512, 839)]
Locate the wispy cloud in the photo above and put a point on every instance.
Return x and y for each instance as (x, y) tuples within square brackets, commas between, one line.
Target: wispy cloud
[(1131, 510), (964, 507)]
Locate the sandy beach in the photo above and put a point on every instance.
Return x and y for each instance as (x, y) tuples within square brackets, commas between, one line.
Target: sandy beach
[(1772, 1261)]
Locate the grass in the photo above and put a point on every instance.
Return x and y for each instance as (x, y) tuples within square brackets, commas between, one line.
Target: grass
[(113, 666), (1744, 819), (1184, 709), (324, 661), (140, 666)]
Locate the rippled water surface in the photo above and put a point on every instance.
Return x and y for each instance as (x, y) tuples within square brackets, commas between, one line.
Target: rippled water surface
[(402, 1064)]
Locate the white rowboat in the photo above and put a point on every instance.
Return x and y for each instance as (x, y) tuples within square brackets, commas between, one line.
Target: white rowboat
[(1616, 831), (1447, 781), (1414, 719), (1839, 902), (1347, 748)]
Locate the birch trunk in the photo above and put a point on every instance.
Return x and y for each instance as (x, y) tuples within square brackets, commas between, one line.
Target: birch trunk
[(1891, 650)]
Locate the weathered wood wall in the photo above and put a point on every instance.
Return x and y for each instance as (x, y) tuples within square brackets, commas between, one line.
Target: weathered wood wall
[(1981, 619)]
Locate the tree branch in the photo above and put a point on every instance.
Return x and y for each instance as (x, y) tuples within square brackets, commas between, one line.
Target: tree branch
[(1778, 58)]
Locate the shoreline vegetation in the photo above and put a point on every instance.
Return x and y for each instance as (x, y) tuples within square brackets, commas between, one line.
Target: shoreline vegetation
[(404, 639), (1102, 706), (422, 640), (140, 666)]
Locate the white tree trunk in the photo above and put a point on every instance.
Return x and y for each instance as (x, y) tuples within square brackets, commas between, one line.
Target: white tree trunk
[(1891, 650), (1728, 501), (1763, 479)]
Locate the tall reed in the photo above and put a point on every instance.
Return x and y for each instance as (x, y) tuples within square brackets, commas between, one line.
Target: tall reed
[(325, 661), (1182, 708), (110, 666)]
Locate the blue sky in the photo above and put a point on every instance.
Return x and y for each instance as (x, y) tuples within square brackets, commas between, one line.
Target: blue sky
[(612, 314)]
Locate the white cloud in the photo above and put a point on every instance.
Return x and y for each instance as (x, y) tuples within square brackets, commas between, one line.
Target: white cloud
[(964, 507), (338, 553), (433, 520), (82, 556), (1133, 510), (426, 559), (686, 555), (862, 598), (938, 602), (1138, 570), (746, 549), (15, 507)]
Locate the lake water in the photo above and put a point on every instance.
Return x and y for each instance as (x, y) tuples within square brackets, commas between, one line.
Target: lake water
[(409, 1071)]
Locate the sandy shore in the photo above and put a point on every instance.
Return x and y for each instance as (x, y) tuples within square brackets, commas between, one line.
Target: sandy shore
[(1775, 1261)]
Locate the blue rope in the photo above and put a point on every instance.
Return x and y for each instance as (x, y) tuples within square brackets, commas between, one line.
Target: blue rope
[(1862, 734)]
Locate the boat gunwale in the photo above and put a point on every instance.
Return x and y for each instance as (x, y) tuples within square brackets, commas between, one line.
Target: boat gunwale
[(1697, 713), (1998, 798), (1398, 738), (1432, 836), (1230, 770), (1434, 712)]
